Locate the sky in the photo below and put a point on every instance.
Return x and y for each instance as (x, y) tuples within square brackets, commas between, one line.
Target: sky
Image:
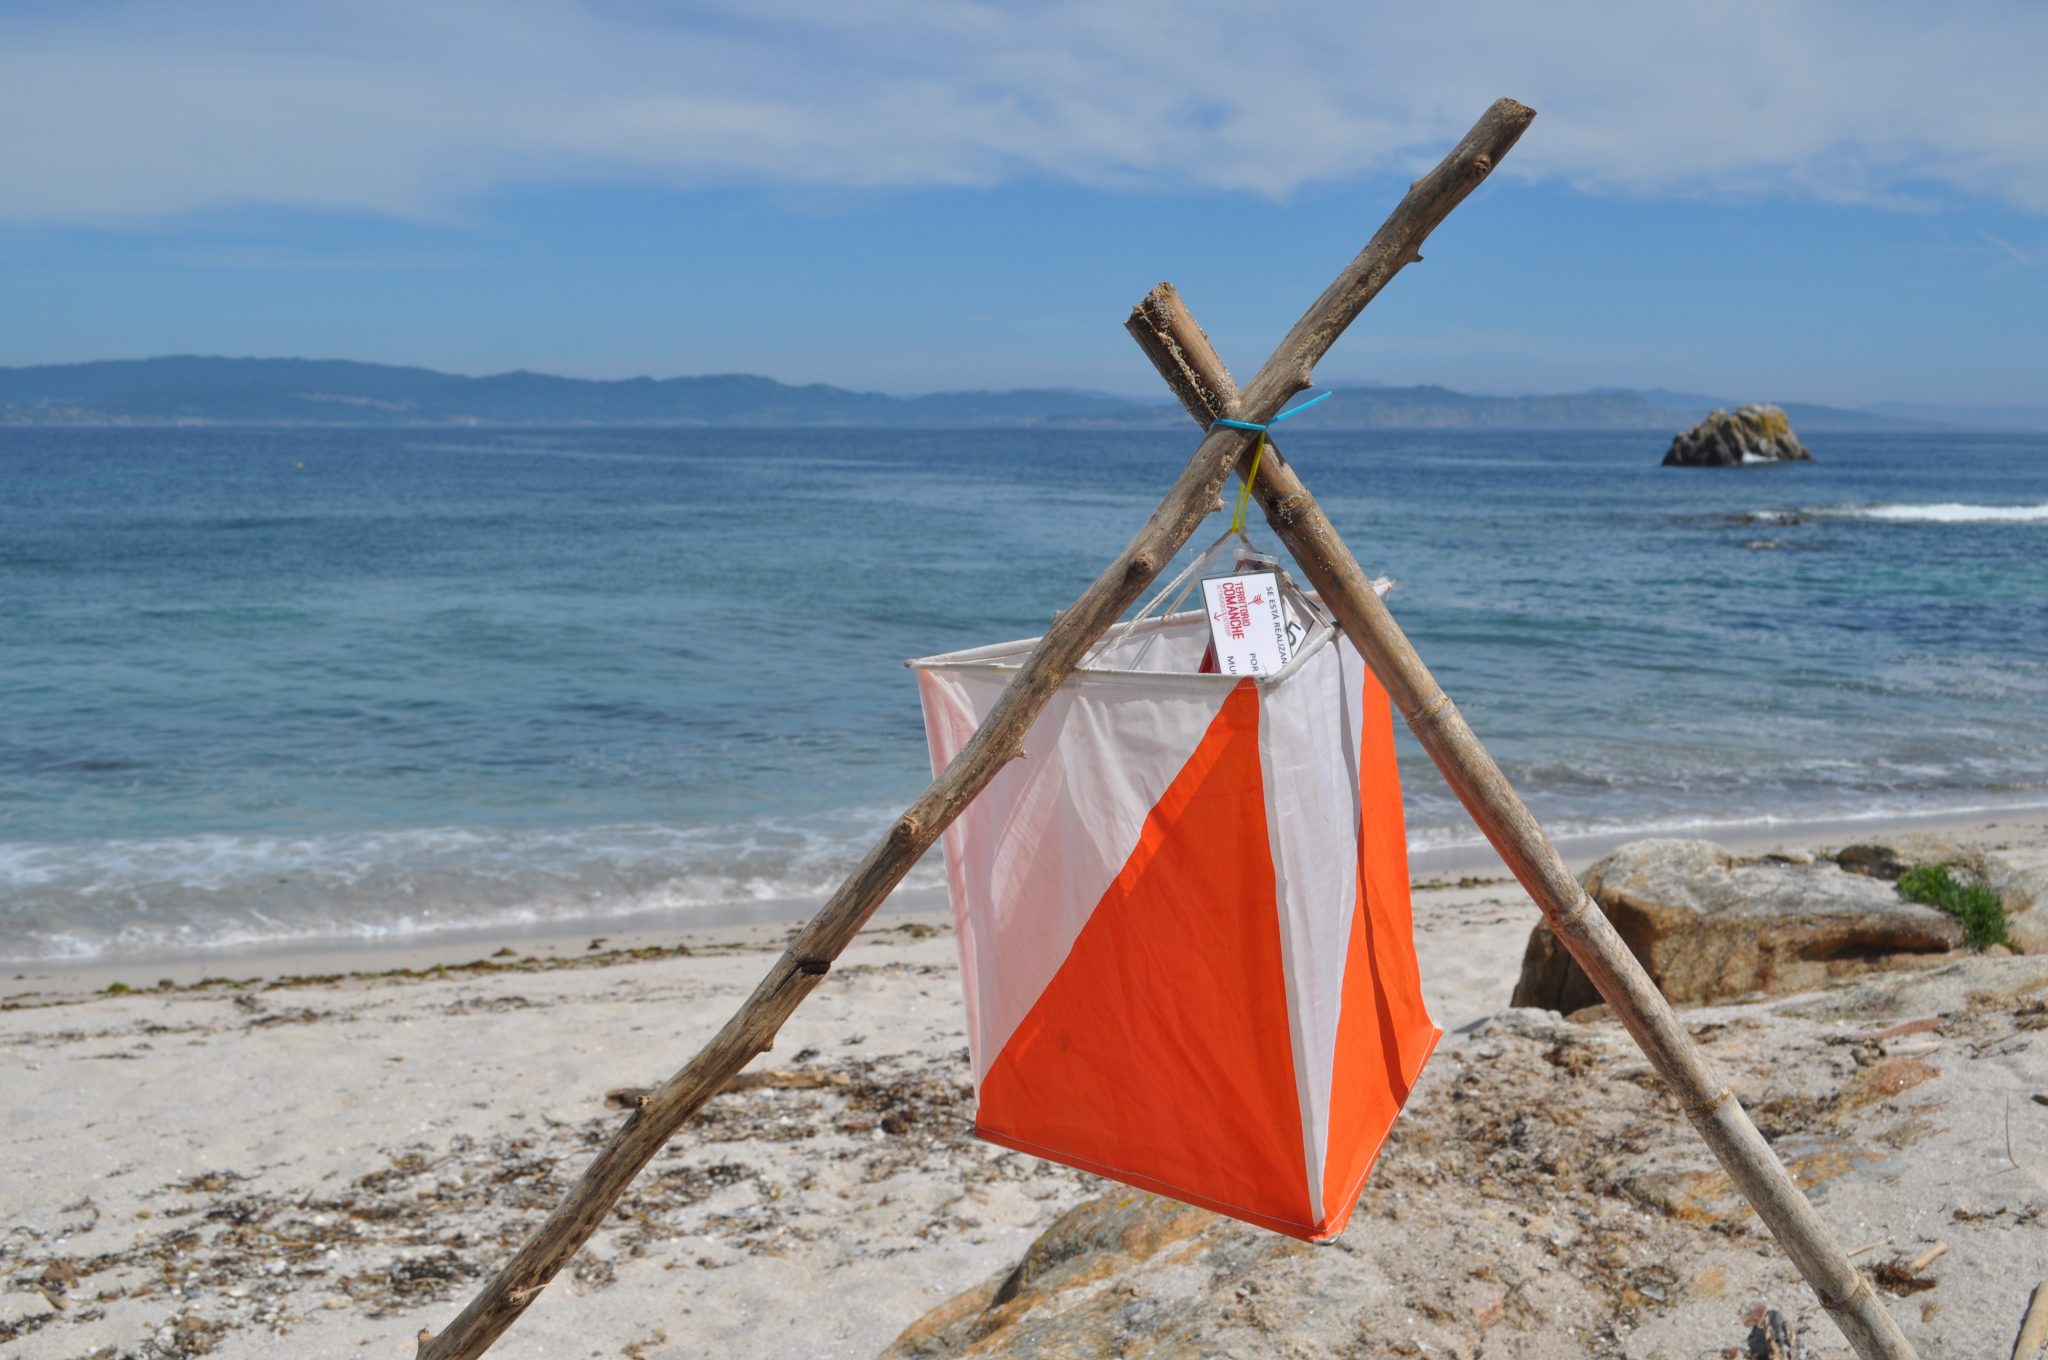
[(1839, 202)]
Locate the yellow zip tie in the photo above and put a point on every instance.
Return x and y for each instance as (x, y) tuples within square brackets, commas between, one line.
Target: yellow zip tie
[(1244, 488)]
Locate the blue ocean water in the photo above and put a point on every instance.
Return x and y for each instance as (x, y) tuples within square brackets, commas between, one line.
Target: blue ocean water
[(287, 684)]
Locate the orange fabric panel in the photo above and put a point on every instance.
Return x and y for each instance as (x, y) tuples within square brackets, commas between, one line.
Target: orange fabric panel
[(1384, 1033), (1160, 1053)]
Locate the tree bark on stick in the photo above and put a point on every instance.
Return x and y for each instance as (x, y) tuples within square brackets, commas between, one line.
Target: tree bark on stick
[(1166, 331), (998, 741)]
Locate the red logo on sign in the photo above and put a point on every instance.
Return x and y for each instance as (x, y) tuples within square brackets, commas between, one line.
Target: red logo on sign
[(1236, 614)]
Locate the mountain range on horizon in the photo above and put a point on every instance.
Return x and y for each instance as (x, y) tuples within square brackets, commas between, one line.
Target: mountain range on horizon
[(198, 390)]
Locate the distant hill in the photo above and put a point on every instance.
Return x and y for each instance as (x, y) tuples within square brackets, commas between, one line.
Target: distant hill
[(339, 392), (1978, 417), (1440, 408), (1685, 409), (214, 391)]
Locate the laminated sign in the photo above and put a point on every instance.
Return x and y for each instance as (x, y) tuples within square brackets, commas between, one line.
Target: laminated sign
[(1183, 921), (1247, 623)]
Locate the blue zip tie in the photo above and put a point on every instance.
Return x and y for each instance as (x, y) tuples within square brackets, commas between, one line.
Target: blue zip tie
[(1294, 411)]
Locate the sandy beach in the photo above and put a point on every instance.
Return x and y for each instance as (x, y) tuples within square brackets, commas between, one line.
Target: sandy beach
[(325, 1154)]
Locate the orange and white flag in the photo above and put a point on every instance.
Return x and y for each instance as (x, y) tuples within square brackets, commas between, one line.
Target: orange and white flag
[(1184, 924)]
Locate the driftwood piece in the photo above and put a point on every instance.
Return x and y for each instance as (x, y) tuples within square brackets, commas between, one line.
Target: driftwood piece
[(1927, 1257), (2033, 1334), (767, 1079), (783, 1079), (1166, 331), (998, 741)]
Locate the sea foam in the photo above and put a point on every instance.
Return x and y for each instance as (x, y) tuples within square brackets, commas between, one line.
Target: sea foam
[(1946, 512), (148, 897)]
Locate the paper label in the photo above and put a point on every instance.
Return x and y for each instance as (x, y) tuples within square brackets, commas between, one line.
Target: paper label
[(1247, 624)]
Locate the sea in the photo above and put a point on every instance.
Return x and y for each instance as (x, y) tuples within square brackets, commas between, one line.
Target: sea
[(274, 688)]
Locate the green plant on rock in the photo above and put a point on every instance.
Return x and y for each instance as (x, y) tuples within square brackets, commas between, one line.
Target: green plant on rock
[(1977, 907)]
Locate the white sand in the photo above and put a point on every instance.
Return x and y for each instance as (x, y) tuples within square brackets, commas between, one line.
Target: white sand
[(326, 1168)]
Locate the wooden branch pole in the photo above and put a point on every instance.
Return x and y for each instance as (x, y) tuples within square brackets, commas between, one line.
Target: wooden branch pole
[(999, 740), (1167, 332)]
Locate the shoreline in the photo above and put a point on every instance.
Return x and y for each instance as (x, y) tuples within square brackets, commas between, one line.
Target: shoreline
[(598, 939), (583, 942)]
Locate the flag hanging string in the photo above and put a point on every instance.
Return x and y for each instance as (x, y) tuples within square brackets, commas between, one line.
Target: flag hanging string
[(1244, 490)]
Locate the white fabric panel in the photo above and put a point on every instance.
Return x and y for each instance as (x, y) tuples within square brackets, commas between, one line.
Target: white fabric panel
[(1312, 816), (1351, 667), (1028, 859), (949, 723)]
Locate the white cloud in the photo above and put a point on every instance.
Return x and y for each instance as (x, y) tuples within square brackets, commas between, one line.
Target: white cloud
[(118, 112)]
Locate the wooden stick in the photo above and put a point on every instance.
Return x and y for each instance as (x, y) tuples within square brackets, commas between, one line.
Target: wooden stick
[(2034, 1326), (1166, 331), (1927, 1258), (998, 741), (767, 1079)]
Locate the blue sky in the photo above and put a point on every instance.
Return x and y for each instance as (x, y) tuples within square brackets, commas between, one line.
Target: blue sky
[(1842, 203)]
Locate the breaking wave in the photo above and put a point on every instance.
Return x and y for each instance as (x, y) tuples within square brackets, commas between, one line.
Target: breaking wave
[(1944, 512), (150, 897)]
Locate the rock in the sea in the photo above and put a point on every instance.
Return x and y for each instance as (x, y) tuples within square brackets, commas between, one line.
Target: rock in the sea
[(1708, 925), (1754, 434)]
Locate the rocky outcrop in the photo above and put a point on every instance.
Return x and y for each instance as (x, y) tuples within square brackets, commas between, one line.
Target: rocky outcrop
[(1708, 925), (1060, 1275), (1537, 1200), (1754, 434), (2022, 888), (1974, 982)]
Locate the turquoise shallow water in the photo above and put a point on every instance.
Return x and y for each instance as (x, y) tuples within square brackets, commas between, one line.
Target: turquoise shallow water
[(269, 685)]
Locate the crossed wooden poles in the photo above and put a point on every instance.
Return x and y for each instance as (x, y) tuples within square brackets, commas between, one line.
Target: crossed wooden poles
[(1181, 352)]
